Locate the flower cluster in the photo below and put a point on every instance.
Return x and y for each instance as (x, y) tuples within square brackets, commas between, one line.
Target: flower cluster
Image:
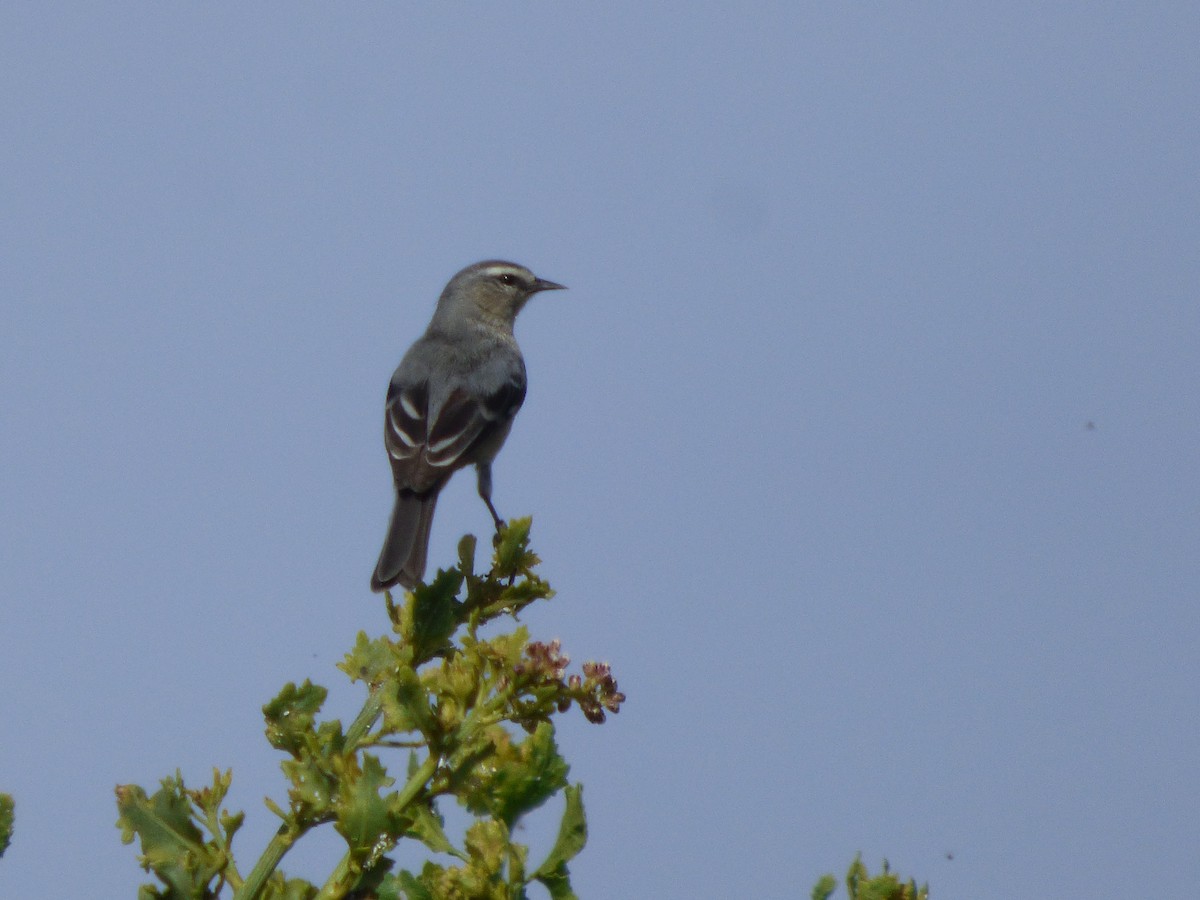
[(545, 661), (599, 690), (595, 691)]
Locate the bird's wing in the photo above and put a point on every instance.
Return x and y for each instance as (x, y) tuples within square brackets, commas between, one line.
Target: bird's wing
[(424, 451)]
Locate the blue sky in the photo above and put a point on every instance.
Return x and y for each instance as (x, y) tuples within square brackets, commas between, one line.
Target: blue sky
[(864, 445)]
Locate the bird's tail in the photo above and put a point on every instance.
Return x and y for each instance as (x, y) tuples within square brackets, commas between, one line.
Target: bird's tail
[(402, 559)]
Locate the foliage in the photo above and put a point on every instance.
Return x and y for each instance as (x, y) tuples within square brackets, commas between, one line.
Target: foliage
[(6, 821), (476, 717), (861, 885)]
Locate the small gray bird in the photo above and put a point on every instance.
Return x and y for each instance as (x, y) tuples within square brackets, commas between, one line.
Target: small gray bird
[(451, 404)]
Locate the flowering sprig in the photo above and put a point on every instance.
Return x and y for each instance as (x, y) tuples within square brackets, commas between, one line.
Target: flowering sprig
[(595, 692)]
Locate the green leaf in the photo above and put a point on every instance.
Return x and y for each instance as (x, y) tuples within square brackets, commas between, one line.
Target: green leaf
[(163, 821), (363, 814), (291, 714), (861, 885), (488, 844), (406, 704), (434, 614), (370, 661), (427, 828), (275, 808), (172, 845), (559, 887), (824, 888), (231, 822), (572, 836), (313, 786), (517, 596), (209, 799), (404, 886), (856, 873), (511, 781), (512, 551), (466, 555), (6, 821)]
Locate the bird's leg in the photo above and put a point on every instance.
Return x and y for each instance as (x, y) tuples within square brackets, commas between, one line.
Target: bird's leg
[(495, 518), (485, 491)]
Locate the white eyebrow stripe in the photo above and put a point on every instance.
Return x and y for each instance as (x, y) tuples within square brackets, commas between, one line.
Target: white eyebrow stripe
[(407, 405), (503, 270)]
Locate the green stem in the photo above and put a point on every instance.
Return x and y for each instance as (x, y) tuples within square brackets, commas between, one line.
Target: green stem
[(419, 779), (280, 844), (364, 720), (346, 873), (286, 836)]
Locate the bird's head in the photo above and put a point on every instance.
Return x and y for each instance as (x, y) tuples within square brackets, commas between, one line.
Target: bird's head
[(493, 290)]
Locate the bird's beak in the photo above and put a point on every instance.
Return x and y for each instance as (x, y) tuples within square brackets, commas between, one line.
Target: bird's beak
[(541, 284)]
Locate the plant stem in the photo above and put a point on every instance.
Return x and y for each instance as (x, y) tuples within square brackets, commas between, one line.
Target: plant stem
[(418, 781), (290, 831), (280, 844), (364, 720), (344, 875)]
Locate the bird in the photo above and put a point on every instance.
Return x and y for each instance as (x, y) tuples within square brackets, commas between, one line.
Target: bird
[(450, 404)]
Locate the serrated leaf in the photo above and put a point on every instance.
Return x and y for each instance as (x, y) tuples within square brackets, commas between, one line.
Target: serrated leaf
[(488, 844), (171, 843), (370, 661), (513, 546), (433, 614), (163, 821), (517, 596), (313, 788), (427, 828), (572, 837), (291, 714), (406, 705), (511, 781), (363, 814)]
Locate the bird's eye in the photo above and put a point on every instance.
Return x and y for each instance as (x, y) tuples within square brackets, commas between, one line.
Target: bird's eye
[(507, 278)]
